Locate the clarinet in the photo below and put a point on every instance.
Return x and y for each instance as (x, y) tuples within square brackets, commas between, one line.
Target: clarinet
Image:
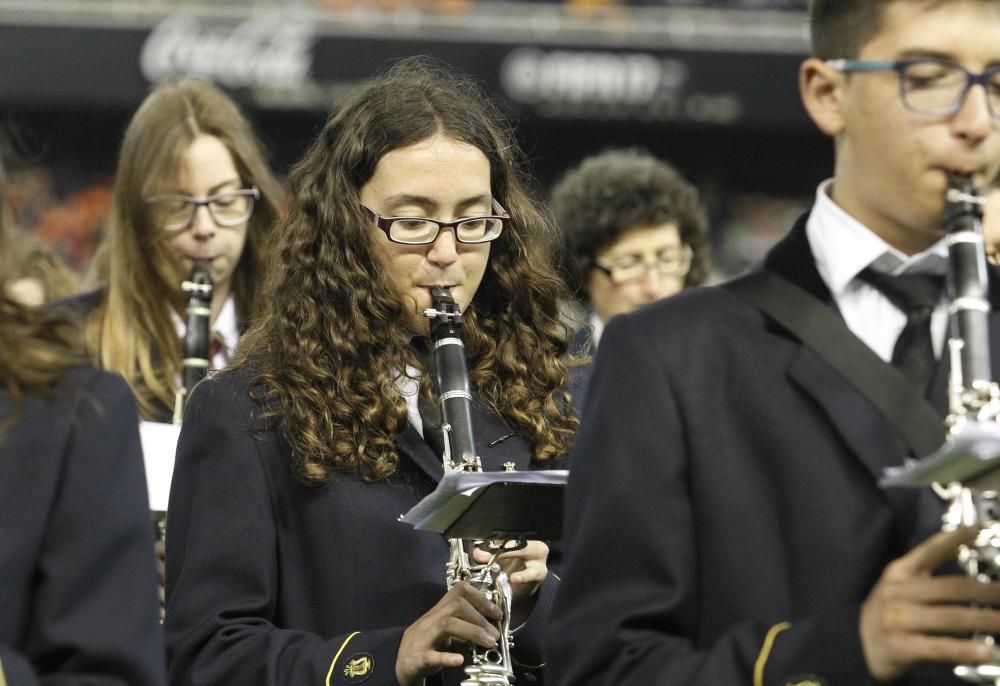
[(972, 395), (194, 349), (491, 666)]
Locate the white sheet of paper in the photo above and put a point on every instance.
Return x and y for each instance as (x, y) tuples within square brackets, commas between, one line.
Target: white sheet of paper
[(159, 447)]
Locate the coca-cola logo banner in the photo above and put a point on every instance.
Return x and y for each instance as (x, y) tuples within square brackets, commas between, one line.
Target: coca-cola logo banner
[(255, 52)]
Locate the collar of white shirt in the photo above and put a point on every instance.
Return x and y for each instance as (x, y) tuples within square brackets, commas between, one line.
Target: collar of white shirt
[(844, 247), (408, 384), (597, 328)]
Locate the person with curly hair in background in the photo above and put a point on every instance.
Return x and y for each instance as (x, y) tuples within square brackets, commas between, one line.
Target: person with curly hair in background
[(287, 562), (77, 575), (634, 232)]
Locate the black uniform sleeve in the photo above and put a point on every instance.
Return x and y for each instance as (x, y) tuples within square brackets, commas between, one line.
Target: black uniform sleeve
[(222, 578), (627, 608), (95, 613)]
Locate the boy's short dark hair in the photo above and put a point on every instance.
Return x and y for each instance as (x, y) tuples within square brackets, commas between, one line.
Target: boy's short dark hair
[(840, 28)]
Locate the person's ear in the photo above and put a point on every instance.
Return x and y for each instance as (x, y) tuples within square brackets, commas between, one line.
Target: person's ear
[(822, 90)]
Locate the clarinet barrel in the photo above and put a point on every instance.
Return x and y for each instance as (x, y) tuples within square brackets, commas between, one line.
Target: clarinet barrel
[(195, 346), (967, 280)]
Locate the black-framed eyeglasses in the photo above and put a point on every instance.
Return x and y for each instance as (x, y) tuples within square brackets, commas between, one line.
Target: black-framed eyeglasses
[(423, 230), (932, 86), (630, 268), (228, 208)]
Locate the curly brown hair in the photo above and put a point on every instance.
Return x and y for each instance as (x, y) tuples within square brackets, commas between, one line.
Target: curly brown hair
[(613, 191), (143, 280), (331, 342)]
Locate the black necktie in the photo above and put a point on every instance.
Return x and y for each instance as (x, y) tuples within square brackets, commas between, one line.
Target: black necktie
[(916, 295), (430, 414)]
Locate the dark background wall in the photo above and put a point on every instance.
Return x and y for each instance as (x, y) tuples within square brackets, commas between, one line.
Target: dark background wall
[(711, 90)]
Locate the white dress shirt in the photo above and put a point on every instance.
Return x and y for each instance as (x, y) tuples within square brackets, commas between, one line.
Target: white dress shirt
[(409, 386), (843, 248), (596, 328)]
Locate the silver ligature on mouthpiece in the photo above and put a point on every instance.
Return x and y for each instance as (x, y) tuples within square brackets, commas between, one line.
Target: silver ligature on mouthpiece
[(491, 666)]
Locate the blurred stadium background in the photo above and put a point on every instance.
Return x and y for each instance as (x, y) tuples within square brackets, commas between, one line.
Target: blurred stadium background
[(709, 86)]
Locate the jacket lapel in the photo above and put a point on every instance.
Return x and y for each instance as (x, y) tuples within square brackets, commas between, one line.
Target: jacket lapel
[(496, 444), (871, 440), (412, 445), (865, 433), (792, 258)]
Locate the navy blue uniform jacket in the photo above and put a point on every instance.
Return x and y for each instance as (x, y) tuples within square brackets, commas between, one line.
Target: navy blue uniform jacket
[(78, 600), (723, 484), (271, 581)]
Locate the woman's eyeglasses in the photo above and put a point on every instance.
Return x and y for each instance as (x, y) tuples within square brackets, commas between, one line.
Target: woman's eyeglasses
[(228, 208), (631, 268), (422, 230)]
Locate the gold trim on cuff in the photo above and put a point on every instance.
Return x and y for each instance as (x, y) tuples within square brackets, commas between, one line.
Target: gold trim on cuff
[(335, 657), (765, 652)]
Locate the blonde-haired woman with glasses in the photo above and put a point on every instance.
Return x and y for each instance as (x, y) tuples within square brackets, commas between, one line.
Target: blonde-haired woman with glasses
[(192, 184)]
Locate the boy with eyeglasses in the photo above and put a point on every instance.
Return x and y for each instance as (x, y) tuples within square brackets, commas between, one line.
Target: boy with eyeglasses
[(734, 469)]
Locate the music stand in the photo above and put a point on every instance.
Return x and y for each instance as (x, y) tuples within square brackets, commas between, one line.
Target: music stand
[(970, 456), (515, 506)]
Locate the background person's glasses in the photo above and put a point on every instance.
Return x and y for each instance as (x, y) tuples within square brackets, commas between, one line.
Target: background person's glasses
[(629, 268), (422, 230), (228, 208), (931, 86)]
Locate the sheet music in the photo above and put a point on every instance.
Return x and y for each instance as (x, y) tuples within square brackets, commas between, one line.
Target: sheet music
[(456, 486), (973, 451), (159, 448)]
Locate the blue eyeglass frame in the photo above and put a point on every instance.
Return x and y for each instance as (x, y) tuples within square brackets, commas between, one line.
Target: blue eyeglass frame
[(900, 67), (251, 192)]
